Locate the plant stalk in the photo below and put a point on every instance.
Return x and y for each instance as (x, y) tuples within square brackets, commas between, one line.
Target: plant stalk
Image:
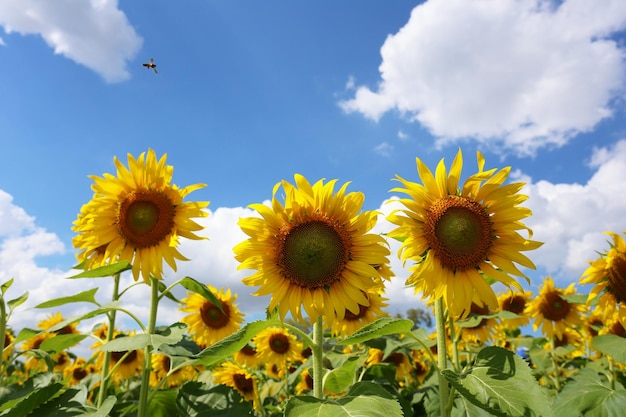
[(147, 365), (442, 356), (104, 380), (318, 357)]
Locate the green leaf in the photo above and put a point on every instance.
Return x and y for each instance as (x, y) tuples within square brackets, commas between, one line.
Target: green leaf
[(69, 403), (233, 343), (172, 335), (196, 399), (575, 298), (201, 289), (104, 409), (163, 404), (25, 334), (61, 342), (4, 287), (25, 398), (85, 296), (612, 345), (590, 395), (17, 392), (382, 327), (502, 383), (105, 271), (363, 399), (17, 301), (113, 305), (339, 379)]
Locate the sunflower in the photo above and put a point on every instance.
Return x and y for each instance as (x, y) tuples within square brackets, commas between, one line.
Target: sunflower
[(78, 371), (314, 252), (130, 362), (483, 331), (367, 314), (9, 338), (277, 346), (608, 273), (207, 322), (247, 356), (552, 312), (398, 359), (137, 216), (305, 383), (57, 318), (161, 366), (239, 378), (457, 236), (514, 302), (34, 363)]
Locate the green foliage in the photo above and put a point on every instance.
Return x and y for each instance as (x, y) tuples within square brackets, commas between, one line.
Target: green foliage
[(501, 382), (104, 271), (611, 345), (381, 327), (171, 335), (197, 399), (590, 394), (201, 289), (85, 296), (363, 399), (339, 379)]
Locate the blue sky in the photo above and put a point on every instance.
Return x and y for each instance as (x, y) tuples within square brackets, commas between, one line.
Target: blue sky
[(249, 93)]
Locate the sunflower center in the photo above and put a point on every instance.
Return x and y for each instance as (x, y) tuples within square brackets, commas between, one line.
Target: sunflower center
[(213, 317), (279, 343), (248, 350), (459, 232), (243, 383), (146, 218), (132, 356), (314, 253), (514, 304), (79, 373), (553, 307), (617, 329), (617, 277), (350, 316)]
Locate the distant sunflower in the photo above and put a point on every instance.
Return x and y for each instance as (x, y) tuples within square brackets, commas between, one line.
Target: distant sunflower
[(207, 323), (240, 379), (608, 273), (161, 366), (276, 345), (483, 331), (514, 302), (247, 357), (55, 319), (34, 364), (129, 365), (78, 371), (367, 314), (457, 235), (314, 252), (9, 338), (552, 312), (137, 216), (305, 383)]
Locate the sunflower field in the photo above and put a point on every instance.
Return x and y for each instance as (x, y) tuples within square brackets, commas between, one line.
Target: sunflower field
[(326, 346)]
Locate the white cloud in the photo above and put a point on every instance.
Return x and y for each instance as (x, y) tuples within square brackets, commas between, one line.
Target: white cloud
[(93, 33), (571, 218), (384, 149), (520, 74)]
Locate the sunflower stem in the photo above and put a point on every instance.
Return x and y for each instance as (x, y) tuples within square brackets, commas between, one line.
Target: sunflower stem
[(3, 330), (318, 357), (442, 356), (104, 379), (557, 379), (147, 365)]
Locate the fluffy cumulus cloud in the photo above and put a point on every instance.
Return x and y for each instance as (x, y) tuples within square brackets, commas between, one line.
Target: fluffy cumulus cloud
[(514, 74), (93, 33)]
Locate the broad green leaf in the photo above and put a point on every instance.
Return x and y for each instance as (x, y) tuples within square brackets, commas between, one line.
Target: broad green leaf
[(612, 345), (163, 287), (201, 289), (25, 398), (382, 327), (61, 342), (363, 399), (69, 403), (575, 298), (502, 383), (173, 334), (339, 379), (475, 320), (197, 399), (162, 404), (105, 271), (17, 392), (591, 395), (233, 343), (104, 409), (17, 301), (85, 296)]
